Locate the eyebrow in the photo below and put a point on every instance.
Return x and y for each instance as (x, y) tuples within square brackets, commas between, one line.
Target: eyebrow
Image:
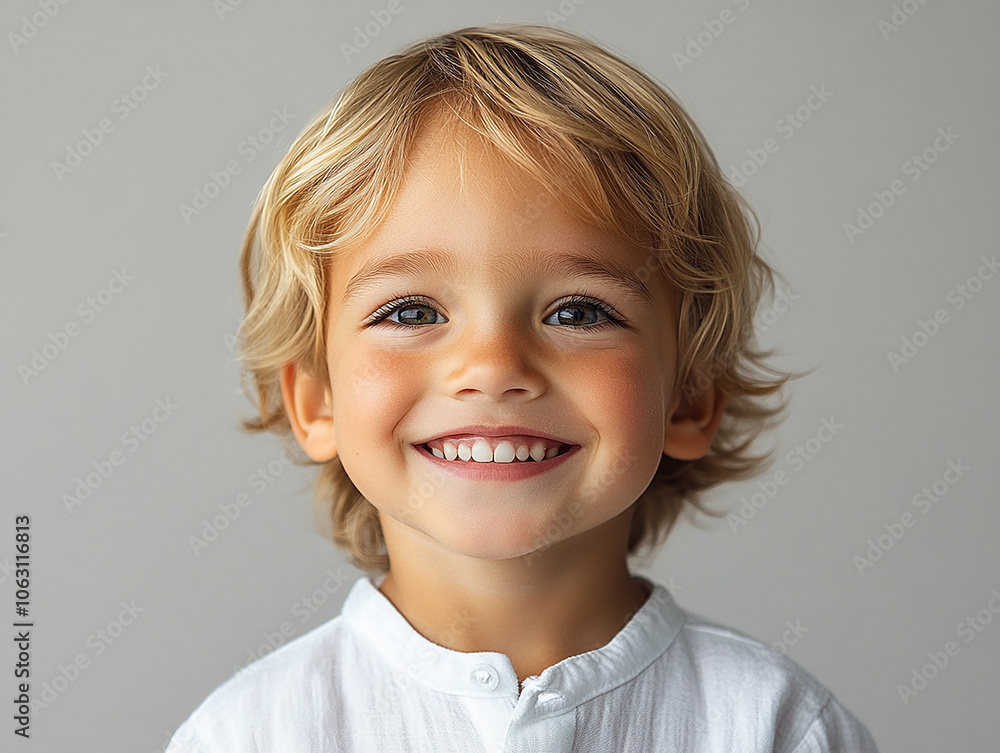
[(559, 263)]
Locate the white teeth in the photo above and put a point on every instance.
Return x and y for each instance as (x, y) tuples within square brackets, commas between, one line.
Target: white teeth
[(481, 452), (504, 453), (538, 451)]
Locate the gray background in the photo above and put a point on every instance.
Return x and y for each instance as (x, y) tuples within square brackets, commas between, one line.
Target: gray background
[(167, 335)]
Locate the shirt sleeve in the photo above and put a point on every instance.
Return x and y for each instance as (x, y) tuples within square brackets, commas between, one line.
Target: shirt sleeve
[(836, 730)]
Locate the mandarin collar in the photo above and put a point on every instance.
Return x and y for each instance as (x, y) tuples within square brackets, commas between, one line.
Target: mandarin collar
[(490, 674)]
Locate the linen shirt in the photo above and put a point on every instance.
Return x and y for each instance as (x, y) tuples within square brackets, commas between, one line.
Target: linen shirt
[(366, 680)]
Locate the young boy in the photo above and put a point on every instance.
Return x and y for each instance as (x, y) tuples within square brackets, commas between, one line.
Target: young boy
[(502, 294)]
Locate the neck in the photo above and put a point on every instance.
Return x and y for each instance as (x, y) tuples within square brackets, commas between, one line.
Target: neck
[(538, 609)]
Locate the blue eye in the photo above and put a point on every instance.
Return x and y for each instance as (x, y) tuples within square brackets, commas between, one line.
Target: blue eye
[(581, 303), (407, 304), (414, 312)]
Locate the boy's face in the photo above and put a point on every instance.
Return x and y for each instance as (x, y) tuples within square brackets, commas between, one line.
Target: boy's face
[(493, 341)]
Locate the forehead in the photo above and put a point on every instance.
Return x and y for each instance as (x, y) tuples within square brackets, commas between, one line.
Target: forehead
[(464, 209), (451, 171)]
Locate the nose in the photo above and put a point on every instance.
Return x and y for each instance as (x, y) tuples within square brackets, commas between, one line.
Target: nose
[(497, 360)]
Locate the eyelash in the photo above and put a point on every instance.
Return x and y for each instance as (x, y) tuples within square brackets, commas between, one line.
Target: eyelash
[(381, 316)]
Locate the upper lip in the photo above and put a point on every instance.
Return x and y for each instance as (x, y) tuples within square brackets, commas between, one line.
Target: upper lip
[(482, 430)]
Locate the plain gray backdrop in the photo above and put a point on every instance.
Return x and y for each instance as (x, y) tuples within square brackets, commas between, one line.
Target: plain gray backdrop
[(864, 134)]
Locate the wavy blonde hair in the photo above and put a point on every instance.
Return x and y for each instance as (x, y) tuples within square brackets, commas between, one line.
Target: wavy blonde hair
[(598, 134)]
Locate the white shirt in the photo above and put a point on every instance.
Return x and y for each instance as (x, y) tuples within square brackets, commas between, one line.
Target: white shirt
[(668, 681)]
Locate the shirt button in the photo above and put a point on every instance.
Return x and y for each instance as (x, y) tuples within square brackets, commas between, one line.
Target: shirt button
[(485, 676)]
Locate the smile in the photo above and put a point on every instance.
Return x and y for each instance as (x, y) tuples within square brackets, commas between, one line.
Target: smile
[(494, 468), (511, 449)]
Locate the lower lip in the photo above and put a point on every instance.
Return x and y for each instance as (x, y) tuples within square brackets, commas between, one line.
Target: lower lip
[(513, 471)]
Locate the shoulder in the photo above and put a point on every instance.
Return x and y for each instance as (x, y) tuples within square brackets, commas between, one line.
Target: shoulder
[(731, 656), (738, 680), (285, 669), (242, 712)]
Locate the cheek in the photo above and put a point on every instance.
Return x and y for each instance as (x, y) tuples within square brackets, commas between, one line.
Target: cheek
[(624, 404), (624, 395), (372, 391)]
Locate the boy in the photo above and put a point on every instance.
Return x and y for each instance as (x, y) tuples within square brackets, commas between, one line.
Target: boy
[(501, 292)]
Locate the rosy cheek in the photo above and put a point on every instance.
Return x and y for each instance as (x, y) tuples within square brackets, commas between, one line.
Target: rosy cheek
[(377, 385), (623, 390)]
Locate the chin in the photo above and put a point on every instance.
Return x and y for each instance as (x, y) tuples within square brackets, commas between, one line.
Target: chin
[(494, 544)]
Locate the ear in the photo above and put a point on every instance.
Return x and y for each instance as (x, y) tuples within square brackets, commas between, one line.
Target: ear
[(308, 405), (693, 421)]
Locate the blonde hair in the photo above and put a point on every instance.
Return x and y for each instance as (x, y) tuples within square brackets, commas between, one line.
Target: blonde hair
[(627, 156)]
